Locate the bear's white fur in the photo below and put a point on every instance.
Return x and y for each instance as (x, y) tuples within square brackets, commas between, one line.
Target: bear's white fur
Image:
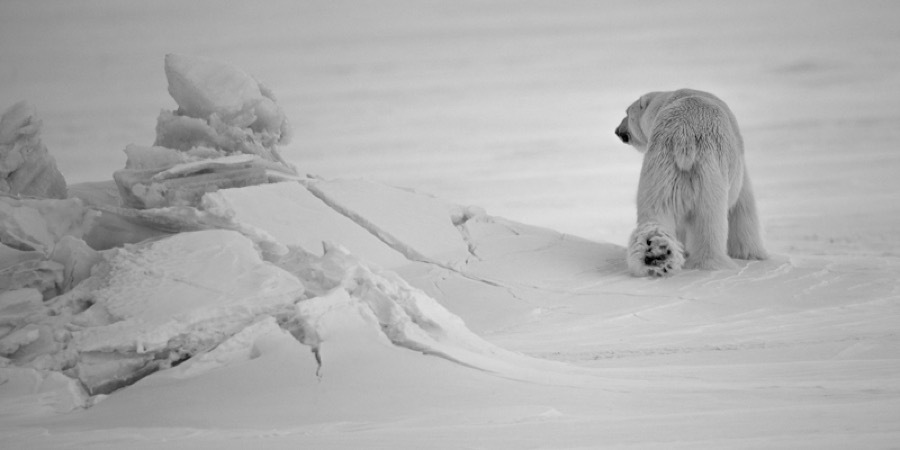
[(695, 202)]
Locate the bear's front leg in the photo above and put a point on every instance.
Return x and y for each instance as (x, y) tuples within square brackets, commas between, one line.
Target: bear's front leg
[(653, 251)]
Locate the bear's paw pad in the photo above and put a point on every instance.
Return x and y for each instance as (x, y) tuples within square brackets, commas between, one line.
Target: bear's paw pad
[(654, 252)]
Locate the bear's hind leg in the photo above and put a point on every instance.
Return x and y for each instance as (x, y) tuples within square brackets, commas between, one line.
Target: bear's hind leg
[(744, 239), (707, 228)]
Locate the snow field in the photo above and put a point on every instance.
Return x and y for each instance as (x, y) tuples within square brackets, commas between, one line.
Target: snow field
[(407, 321), (785, 336)]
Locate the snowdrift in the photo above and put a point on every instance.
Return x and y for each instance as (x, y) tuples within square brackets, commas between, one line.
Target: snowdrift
[(211, 295)]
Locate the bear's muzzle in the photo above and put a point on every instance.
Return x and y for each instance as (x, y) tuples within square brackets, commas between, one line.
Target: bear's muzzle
[(622, 131)]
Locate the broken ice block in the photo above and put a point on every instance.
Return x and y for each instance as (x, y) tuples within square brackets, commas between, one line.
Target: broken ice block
[(185, 184), (220, 107), (17, 305), (44, 276), (96, 193), (37, 224), (187, 290), (77, 259), (205, 166), (156, 304), (115, 227), (140, 157), (10, 257), (10, 343), (204, 86), (35, 230), (26, 168)]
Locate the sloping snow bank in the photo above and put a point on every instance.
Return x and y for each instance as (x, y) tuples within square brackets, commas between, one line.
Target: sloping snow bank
[(158, 305), (404, 315)]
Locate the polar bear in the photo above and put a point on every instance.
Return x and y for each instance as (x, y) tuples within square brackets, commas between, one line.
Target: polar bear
[(695, 205)]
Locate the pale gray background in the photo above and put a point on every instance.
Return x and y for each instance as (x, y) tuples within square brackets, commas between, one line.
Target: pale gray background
[(506, 104)]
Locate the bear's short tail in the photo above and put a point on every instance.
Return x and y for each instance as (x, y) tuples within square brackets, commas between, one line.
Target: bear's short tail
[(686, 144), (686, 155), (688, 130)]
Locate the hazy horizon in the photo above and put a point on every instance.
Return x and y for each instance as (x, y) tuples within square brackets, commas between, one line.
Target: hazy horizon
[(507, 105)]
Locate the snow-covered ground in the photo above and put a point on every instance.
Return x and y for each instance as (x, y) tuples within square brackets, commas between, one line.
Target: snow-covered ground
[(508, 106)]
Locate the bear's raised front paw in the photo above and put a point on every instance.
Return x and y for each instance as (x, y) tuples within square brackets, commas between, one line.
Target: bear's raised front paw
[(654, 252)]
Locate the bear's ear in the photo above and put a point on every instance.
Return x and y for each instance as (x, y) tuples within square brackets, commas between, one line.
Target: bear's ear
[(644, 101)]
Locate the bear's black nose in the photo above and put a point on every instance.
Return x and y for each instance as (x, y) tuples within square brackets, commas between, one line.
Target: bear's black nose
[(623, 135)]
